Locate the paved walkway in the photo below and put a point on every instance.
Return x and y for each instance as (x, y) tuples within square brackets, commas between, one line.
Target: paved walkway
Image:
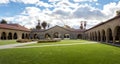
[(55, 45), (15, 45), (22, 45)]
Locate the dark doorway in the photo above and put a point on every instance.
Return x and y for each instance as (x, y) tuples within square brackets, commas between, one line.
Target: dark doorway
[(56, 35), (47, 35), (10, 36), (110, 38), (117, 33), (23, 36), (3, 36), (103, 36), (15, 36), (79, 36)]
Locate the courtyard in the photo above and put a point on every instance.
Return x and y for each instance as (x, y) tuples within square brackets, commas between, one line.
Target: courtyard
[(63, 52)]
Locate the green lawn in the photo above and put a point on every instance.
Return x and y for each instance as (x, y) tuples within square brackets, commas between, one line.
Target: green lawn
[(74, 54), (4, 42)]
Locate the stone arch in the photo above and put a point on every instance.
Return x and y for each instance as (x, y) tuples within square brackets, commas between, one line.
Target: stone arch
[(47, 35), (66, 35), (10, 36), (56, 35), (109, 36), (79, 36), (15, 36), (86, 36), (99, 37), (117, 34), (23, 37), (26, 36), (3, 36), (89, 36), (35, 36), (95, 36), (92, 36), (103, 35), (31, 36)]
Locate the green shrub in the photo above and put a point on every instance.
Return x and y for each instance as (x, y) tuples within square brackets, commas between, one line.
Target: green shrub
[(23, 40), (49, 40)]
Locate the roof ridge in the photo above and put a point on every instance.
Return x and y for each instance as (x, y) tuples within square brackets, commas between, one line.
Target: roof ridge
[(14, 27)]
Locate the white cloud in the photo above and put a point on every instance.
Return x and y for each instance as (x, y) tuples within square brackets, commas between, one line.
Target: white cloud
[(4, 1), (31, 11), (26, 1), (53, 0), (65, 4), (64, 12), (111, 8), (85, 0), (88, 12), (41, 3), (20, 1)]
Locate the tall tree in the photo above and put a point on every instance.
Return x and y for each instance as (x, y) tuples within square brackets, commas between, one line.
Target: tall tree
[(81, 27), (118, 12), (3, 21), (38, 26), (44, 25)]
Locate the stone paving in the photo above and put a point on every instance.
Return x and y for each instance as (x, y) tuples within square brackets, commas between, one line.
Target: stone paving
[(48, 45), (15, 45)]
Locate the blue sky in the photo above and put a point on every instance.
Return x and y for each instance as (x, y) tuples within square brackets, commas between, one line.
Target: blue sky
[(58, 12)]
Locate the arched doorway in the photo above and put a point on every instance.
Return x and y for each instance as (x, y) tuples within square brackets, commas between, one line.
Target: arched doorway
[(92, 36), (56, 35), (79, 36), (67, 36), (35, 36), (47, 35), (117, 34), (15, 36), (10, 36), (26, 36), (89, 36), (99, 38), (3, 36), (95, 36), (110, 38), (23, 36), (103, 36)]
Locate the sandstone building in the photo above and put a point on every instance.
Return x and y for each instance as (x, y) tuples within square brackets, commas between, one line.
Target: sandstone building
[(13, 31), (108, 31), (57, 32)]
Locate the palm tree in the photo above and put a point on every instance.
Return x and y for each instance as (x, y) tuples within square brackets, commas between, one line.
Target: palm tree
[(3, 21), (44, 25)]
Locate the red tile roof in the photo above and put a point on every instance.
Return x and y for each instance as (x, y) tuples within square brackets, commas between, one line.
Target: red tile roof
[(13, 27)]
